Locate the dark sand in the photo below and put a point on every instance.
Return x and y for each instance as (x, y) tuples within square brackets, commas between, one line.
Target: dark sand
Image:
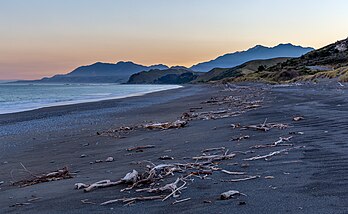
[(311, 179)]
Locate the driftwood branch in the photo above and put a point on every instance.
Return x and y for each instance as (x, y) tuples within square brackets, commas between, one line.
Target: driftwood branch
[(267, 156), (52, 176), (140, 148), (127, 200), (242, 179)]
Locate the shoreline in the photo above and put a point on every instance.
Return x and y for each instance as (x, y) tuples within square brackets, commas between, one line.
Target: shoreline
[(309, 178), (92, 100)]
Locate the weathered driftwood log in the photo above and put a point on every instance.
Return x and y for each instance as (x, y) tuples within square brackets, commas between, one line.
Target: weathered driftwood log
[(98, 184), (168, 125), (52, 176), (129, 178)]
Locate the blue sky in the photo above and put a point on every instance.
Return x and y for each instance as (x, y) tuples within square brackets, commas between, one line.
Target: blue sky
[(40, 37)]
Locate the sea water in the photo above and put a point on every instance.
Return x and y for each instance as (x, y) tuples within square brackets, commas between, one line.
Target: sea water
[(18, 97)]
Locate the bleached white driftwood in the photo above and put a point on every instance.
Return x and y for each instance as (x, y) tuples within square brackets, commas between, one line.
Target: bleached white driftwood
[(242, 179), (268, 155), (130, 177), (127, 200), (229, 194), (232, 173)]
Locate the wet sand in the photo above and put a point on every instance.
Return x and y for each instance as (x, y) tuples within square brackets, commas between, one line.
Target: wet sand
[(309, 179)]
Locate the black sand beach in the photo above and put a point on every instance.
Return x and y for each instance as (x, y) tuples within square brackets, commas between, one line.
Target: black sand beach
[(309, 178)]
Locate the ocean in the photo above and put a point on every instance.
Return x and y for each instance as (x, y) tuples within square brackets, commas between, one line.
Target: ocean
[(23, 97)]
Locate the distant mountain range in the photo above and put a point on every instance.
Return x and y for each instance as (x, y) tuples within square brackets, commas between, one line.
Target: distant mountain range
[(101, 73), (329, 62), (247, 68), (256, 53), (121, 72)]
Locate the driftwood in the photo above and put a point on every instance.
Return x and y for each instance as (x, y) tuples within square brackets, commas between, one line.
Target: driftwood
[(240, 138), (298, 118), (230, 194), (180, 201), (242, 179), (203, 172), (130, 177), (253, 106), (166, 157), (268, 155), (175, 191), (210, 115), (172, 187), (235, 126), (123, 130), (192, 109), (277, 143), (213, 149), (52, 176), (86, 201), (232, 173), (128, 200), (266, 126), (109, 159), (168, 125), (137, 148), (215, 157)]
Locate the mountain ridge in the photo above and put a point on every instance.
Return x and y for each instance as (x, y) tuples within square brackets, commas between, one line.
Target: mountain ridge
[(257, 52), (100, 72)]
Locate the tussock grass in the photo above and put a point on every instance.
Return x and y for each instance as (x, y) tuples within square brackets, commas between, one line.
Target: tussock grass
[(340, 73)]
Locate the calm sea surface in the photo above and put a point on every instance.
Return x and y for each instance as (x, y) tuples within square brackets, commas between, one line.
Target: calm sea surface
[(24, 97)]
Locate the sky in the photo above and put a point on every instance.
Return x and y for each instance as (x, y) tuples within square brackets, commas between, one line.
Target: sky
[(41, 38)]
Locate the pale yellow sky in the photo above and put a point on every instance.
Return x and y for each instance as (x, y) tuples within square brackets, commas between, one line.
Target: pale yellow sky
[(40, 38)]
